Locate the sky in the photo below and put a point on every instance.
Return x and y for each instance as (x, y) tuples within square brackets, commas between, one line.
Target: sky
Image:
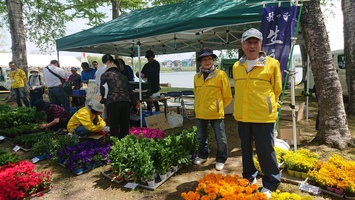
[(334, 27)]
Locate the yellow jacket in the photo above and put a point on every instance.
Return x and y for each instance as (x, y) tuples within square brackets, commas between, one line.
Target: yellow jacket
[(19, 78), (257, 92), (212, 95), (83, 117)]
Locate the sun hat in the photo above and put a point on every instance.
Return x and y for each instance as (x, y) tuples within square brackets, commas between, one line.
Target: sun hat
[(252, 33), (34, 69), (206, 52), (149, 53), (41, 105), (97, 106)]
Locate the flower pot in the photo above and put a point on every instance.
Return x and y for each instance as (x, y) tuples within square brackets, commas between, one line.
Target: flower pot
[(175, 168), (330, 189), (349, 197), (339, 192), (151, 183), (168, 173), (297, 174), (162, 176), (291, 172), (303, 175), (60, 160), (350, 194), (78, 171)]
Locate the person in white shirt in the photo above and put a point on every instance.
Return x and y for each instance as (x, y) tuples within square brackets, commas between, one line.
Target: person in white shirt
[(35, 84), (100, 70), (54, 77)]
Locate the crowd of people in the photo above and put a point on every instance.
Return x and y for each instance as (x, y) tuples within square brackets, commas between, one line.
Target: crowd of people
[(89, 118), (257, 86)]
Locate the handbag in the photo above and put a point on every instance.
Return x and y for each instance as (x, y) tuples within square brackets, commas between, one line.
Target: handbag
[(62, 80)]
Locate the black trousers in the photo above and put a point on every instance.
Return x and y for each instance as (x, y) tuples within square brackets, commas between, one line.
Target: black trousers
[(118, 114)]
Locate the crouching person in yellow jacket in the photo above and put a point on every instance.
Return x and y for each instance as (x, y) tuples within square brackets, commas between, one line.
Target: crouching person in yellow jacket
[(87, 120)]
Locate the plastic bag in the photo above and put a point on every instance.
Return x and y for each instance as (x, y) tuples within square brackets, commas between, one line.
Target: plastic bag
[(175, 120)]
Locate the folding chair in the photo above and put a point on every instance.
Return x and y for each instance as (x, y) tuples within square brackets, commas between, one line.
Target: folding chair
[(187, 99), (176, 103)]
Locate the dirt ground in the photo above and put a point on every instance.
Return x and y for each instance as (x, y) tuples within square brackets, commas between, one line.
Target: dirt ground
[(93, 185)]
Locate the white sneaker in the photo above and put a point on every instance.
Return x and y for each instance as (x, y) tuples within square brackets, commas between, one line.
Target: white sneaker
[(199, 161), (219, 166), (267, 192), (255, 181)]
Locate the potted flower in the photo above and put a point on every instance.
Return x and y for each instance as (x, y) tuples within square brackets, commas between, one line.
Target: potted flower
[(120, 157), (81, 156), (147, 132), (143, 167), (300, 161), (20, 180)]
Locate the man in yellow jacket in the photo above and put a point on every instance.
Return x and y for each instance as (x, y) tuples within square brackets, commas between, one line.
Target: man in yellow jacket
[(257, 85), (19, 79), (212, 94)]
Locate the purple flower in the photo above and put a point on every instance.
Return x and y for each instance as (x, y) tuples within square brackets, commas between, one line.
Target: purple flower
[(82, 154)]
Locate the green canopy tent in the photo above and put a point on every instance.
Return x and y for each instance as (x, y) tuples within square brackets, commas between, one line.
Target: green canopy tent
[(169, 29), (176, 28)]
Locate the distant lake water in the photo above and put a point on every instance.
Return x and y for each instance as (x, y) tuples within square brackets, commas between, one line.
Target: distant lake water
[(185, 79)]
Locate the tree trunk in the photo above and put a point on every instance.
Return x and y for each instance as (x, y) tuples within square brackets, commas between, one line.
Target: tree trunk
[(17, 31), (115, 9), (348, 7), (333, 127)]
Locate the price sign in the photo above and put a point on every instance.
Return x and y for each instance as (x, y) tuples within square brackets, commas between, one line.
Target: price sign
[(16, 148), (131, 185), (35, 159)]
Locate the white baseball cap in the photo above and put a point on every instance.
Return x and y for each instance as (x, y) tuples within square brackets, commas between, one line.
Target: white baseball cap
[(252, 33)]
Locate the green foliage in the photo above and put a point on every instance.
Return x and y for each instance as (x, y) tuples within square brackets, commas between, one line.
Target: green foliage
[(20, 130), (49, 144), (144, 157), (6, 157), (16, 117), (4, 108), (163, 2), (29, 140)]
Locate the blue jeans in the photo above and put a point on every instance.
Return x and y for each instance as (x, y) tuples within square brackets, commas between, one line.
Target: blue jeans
[(81, 131), (263, 135), (57, 96), (20, 95), (220, 135)]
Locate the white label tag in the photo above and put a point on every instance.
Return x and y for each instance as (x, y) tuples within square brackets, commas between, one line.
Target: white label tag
[(2, 137), (131, 185), (16, 148), (35, 159)]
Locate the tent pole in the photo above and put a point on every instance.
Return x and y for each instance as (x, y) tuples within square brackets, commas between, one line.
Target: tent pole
[(290, 70), (140, 85)]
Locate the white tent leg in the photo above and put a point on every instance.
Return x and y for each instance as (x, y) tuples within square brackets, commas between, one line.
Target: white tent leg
[(292, 80), (140, 86)]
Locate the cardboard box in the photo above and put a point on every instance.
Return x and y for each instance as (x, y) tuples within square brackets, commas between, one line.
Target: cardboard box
[(286, 112), (157, 121), (286, 133)]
